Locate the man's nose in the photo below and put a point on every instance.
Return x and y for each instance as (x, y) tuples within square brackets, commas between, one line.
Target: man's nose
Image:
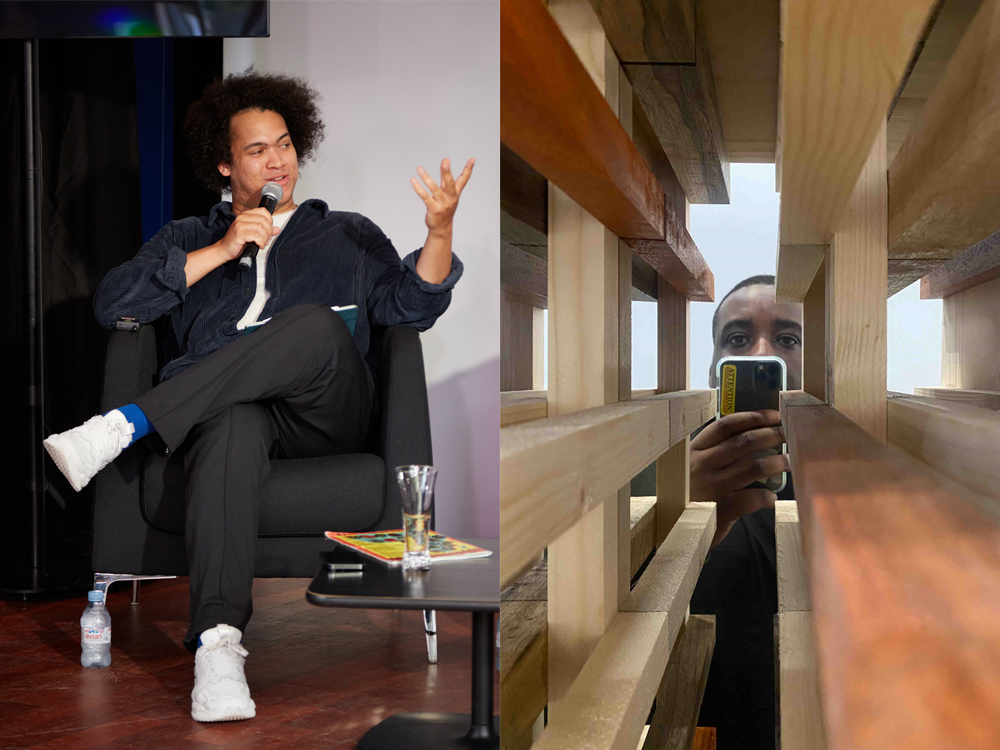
[(762, 348)]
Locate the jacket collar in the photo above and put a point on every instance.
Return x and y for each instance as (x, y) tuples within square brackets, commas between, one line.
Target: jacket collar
[(224, 209)]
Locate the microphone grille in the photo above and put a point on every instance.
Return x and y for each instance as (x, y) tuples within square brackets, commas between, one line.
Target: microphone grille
[(272, 190)]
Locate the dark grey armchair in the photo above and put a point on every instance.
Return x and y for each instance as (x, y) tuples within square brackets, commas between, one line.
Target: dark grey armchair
[(139, 499)]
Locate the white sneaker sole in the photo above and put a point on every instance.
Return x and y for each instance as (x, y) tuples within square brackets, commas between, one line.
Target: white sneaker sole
[(232, 713), (62, 460)]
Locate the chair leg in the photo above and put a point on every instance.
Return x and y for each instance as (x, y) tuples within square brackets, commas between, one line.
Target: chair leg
[(430, 628)]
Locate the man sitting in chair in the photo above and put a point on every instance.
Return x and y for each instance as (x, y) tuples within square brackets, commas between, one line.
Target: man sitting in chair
[(300, 386)]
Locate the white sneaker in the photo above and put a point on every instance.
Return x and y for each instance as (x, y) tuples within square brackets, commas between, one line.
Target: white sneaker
[(83, 451), (220, 687)]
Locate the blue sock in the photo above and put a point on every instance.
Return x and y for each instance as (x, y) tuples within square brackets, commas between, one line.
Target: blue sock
[(138, 420)]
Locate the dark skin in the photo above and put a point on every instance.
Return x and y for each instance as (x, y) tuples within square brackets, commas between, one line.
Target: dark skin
[(723, 460)]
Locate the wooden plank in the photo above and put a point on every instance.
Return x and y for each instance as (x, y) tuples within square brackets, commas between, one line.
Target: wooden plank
[(642, 522), (856, 303), (632, 654), (841, 63), (943, 183), (538, 349), (905, 582), (643, 280), (523, 659), (814, 337), (554, 470), (972, 397), (523, 276), (689, 410), (677, 259), (678, 699), (970, 331), (555, 118), (793, 593), (801, 724), (905, 271), (640, 32), (957, 440), (797, 266), (524, 199), (743, 46), (523, 406), (673, 351), (516, 341), (644, 137), (977, 265), (705, 738), (532, 586)]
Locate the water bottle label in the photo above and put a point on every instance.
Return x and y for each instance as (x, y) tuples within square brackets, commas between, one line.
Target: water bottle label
[(96, 635)]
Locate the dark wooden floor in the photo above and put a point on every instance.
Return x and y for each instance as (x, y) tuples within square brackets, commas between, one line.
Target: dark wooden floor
[(320, 677)]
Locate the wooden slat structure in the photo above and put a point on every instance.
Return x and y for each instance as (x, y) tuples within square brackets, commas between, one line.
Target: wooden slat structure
[(977, 265), (905, 581), (971, 396)]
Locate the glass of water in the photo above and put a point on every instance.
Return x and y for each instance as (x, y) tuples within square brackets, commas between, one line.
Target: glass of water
[(416, 484)]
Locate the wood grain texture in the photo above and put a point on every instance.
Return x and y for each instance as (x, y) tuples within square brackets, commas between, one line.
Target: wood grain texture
[(977, 265), (678, 260), (743, 44), (800, 704), (523, 276), (905, 582), (689, 410), (642, 522), (556, 119), (956, 439), (678, 699), (856, 302), (944, 182), (970, 331), (793, 592), (652, 32), (516, 341), (841, 63), (705, 738), (523, 406), (523, 660), (814, 337), (905, 271), (523, 200), (644, 137), (797, 267), (972, 397)]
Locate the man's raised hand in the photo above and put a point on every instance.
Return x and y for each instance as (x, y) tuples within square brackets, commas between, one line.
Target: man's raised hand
[(441, 200)]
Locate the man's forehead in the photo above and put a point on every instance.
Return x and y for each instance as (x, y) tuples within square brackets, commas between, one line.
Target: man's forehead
[(756, 302)]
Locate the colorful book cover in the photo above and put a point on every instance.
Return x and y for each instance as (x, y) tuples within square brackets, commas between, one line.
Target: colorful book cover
[(388, 546)]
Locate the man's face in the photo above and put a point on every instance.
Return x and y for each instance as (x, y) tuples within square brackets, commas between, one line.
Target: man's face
[(752, 324), (262, 152)]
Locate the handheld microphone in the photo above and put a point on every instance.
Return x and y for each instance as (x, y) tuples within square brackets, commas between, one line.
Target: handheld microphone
[(269, 197)]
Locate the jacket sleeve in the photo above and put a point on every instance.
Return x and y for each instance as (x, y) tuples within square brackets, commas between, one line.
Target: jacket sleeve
[(147, 286), (396, 295)]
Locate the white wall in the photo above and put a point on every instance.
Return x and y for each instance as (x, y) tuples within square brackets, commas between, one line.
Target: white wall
[(738, 240), (405, 84)]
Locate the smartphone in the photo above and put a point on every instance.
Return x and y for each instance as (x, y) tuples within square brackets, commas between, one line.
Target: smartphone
[(752, 384)]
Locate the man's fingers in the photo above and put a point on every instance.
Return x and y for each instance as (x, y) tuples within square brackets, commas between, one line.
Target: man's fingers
[(424, 195), (732, 424), (741, 445), (755, 469), (428, 180), (745, 502), (447, 180), (466, 174)]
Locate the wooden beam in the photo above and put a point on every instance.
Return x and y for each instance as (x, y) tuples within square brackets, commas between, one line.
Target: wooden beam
[(943, 183), (856, 302), (841, 63), (523, 658), (523, 198), (632, 655), (801, 722), (677, 259), (972, 397), (905, 583), (523, 276), (554, 470), (523, 406), (642, 521), (793, 592), (977, 265), (516, 340), (641, 32), (957, 440), (971, 329), (905, 271), (814, 337), (797, 266), (682, 688)]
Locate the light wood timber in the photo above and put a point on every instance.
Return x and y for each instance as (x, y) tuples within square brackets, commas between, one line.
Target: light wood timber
[(538, 348), (523, 406), (523, 660), (943, 183), (553, 470), (673, 351), (797, 266), (793, 593), (905, 583), (814, 337), (970, 331), (958, 440), (972, 397), (977, 265), (642, 520), (801, 722), (516, 341), (689, 410), (632, 654), (682, 688), (856, 302), (523, 276), (743, 44), (841, 63)]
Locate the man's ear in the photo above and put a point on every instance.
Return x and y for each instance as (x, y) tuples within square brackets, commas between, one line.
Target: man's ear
[(224, 170), (711, 375)]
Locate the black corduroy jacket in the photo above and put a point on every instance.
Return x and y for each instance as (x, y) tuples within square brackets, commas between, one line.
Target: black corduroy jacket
[(321, 256)]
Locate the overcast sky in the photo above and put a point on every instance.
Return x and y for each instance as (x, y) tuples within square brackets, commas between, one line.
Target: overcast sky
[(738, 240)]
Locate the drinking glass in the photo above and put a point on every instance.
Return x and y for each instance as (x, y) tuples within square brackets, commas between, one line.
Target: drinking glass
[(416, 485)]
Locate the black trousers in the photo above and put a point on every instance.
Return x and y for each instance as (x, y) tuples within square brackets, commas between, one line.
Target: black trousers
[(295, 388)]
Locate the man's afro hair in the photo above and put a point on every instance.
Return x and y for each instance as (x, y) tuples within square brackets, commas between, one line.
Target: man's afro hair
[(207, 124)]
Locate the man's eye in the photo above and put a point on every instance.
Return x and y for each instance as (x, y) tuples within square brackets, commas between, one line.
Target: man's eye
[(738, 339), (788, 341)]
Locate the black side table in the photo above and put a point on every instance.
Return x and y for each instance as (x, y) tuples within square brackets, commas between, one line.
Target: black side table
[(461, 585)]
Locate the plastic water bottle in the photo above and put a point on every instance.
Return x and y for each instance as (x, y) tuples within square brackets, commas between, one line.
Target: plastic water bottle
[(95, 632)]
